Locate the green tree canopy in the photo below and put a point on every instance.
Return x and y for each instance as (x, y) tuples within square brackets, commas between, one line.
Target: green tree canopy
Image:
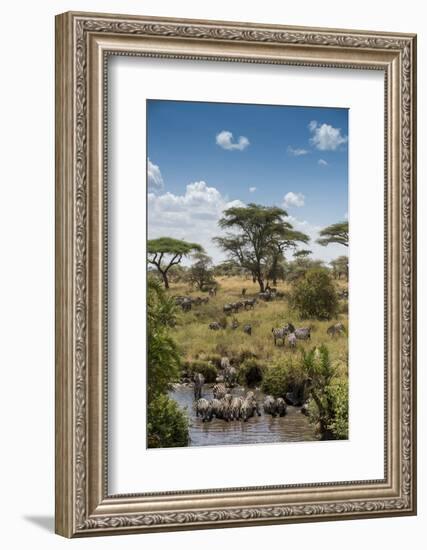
[(340, 267), (335, 233), (260, 237), (201, 272), (165, 252)]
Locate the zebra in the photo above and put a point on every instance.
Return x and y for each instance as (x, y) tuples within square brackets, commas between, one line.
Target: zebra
[(219, 391), (235, 406), (227, 308), (281, 406), (230, 375), (225, 362), (203, 408), (243, 291), (215, 408), (270, 405), (247, 329), (226, 407), (199, 380), (248, 408), (303, 333), (292, 340), (280, 333), (214, 326)]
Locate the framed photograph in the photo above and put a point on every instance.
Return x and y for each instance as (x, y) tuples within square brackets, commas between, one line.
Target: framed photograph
[(235, 274)]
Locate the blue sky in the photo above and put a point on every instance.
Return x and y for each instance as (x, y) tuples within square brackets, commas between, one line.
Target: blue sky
[(202, 157)]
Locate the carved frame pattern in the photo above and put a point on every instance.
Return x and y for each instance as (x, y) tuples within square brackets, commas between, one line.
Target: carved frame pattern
[(83, 510)]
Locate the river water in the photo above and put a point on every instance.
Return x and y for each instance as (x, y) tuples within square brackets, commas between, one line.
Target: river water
[(294, 426)]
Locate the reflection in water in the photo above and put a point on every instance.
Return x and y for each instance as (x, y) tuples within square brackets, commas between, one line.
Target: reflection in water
[(294, 426)]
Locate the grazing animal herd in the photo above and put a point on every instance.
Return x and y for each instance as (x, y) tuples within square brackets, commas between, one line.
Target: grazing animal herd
[(228, 407)]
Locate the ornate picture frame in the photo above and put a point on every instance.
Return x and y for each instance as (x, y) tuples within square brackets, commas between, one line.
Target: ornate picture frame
[(84, 42)]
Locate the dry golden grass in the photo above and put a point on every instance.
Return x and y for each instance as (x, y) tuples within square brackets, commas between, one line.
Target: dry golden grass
[(196, 340)]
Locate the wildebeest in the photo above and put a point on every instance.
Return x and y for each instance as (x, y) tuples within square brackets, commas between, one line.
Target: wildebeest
[(203, 408), (336, 330), (186, 304), (243, 291), (198, 380), (249, 303), (247, 329), (303, 333), (230, 376), (219, 391), (215, 326)]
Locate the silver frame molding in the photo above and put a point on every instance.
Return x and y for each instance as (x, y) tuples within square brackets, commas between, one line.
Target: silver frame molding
[(83, 43)]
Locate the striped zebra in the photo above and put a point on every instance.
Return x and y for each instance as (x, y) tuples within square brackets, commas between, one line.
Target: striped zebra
[(282, 332), (219, 391)]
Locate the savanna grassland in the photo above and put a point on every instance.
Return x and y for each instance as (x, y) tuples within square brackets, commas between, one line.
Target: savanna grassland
[(197, 342)]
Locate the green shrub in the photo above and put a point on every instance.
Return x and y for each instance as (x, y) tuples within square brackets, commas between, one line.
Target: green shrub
[(251, 373), (167, 424), (338, 395), (276, 380), (314, 296), (208, 369)]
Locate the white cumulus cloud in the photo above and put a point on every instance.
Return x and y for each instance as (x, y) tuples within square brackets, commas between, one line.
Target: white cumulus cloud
[(225, 140), (192, 216), (297, 151), (325, 137), (293, 199), (322, 162), (252, 189), (154, 177)]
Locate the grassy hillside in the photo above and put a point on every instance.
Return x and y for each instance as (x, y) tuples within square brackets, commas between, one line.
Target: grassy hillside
[(197, 341)]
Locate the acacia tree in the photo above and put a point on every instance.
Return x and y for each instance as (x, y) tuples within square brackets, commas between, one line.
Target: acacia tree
[(277, 256), (165, 252), (335, 233), (340, 267), (260, 232), (201, 272)]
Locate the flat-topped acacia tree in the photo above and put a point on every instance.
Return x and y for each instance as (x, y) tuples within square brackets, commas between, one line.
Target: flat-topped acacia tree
[(335, 233), (259, 233), (165, 252)]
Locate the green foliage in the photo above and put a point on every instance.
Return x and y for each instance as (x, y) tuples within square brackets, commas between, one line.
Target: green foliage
[(163, 356), (335, 233), (201, 272), (165, 252), (207, 368), (259, 236), (251, 373), (338, 396), (167, 245), (329, 409), (276, 379), (314, 296), (167, 424)]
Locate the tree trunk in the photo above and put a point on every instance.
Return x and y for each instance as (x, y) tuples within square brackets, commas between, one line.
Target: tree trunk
[(261, 283), (165, 278)]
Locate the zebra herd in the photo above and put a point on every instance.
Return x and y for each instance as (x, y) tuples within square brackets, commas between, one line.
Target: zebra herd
[(227, 407), (187, 302)]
